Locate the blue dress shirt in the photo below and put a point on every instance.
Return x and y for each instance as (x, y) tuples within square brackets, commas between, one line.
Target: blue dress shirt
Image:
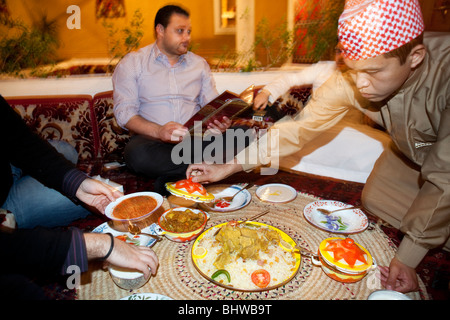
[(146, 84)]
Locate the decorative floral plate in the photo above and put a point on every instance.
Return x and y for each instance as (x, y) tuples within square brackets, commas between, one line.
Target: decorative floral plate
[(147, 296), (343, 222), (139, 240)]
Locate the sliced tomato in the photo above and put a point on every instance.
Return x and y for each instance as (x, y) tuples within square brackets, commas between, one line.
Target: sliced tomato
[(190, 186), (346, 249), (261, 278), (222, 204), (122, 237)]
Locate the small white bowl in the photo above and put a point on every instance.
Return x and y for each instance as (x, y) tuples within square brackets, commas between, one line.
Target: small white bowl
[(138, 223), (126, 278), (388, 295), (110, 207)]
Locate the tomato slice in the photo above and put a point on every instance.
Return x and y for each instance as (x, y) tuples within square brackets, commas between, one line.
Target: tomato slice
[(122, 237), (190, 186), (222, 204), (346, 249), (261, 278)]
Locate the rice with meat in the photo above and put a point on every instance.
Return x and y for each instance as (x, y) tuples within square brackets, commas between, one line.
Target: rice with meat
[(280, 264)]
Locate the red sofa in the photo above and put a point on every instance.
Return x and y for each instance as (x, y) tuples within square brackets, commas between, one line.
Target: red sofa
[(88, 124)]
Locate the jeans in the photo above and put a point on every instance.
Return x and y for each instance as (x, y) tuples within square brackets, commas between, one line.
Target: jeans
[(33, 204)]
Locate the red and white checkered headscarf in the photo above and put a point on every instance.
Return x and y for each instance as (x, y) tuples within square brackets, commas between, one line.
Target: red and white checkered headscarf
[(369, 28)]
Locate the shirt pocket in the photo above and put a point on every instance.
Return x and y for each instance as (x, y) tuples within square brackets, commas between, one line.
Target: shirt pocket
[(421, 144)]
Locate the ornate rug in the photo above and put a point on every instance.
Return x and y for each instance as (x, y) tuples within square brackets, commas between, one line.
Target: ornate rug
[(177, 277)]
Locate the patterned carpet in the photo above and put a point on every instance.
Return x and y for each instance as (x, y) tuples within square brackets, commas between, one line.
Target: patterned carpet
[(434, 269)]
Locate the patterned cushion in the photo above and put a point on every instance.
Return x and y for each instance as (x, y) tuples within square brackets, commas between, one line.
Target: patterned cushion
[(294, 100), (89, 125), (60, 118), (112, 138), (290, 103)]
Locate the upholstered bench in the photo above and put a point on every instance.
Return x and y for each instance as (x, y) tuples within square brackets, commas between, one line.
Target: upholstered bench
[(88, 124)]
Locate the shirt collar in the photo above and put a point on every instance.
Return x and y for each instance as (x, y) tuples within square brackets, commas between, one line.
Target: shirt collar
[(159, 56)]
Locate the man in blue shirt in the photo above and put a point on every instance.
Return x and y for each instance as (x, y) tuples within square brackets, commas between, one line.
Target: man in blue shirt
[(156, 90)]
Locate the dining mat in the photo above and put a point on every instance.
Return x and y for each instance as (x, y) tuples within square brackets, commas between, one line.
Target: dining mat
[(178, 279)]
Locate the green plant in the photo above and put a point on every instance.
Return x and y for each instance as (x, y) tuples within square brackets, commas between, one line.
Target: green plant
[(25, 47), (277, 43), (121, 42)]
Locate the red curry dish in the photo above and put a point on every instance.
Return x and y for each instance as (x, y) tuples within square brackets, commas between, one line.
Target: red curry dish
[(134, 207)]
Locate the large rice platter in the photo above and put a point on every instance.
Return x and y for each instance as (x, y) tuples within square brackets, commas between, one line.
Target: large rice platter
[(246, 257)]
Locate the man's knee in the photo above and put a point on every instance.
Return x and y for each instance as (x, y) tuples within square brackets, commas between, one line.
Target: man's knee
[(66, 149), (376, 206)]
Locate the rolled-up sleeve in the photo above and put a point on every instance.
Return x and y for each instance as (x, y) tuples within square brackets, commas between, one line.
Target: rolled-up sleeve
[(126, 87), (427, 222)]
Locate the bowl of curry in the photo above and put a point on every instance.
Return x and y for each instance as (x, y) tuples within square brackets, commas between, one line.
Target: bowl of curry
[(182, 224), (134, 207)]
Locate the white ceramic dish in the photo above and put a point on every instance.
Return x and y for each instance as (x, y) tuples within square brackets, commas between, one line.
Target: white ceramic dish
[(388, 295), (242, 199), (276, 192), (110, 208), (127, 279), (342, 222), (139, 240)]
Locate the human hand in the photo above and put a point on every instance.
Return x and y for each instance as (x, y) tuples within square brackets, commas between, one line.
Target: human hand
[(261, 100), (124, 255), (172, 132), (140, 258), (399, 277), (97, 194), (206, 173), (220, 126)]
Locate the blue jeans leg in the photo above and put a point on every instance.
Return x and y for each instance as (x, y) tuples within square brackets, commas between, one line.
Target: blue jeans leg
[(33, 204)]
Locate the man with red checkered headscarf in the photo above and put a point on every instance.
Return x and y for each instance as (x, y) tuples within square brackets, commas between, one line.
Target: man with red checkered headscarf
[(398, 76)]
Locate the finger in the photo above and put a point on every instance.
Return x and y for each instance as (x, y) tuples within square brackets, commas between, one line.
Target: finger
[(189, 172), (117, 194), (145, 270), (151, 259), (196, 173), (391, 281), (201, 179), (384, 271), (215, 125), (214, 131), (177, 135), (149, 252), (194, 170), (111, 193)]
